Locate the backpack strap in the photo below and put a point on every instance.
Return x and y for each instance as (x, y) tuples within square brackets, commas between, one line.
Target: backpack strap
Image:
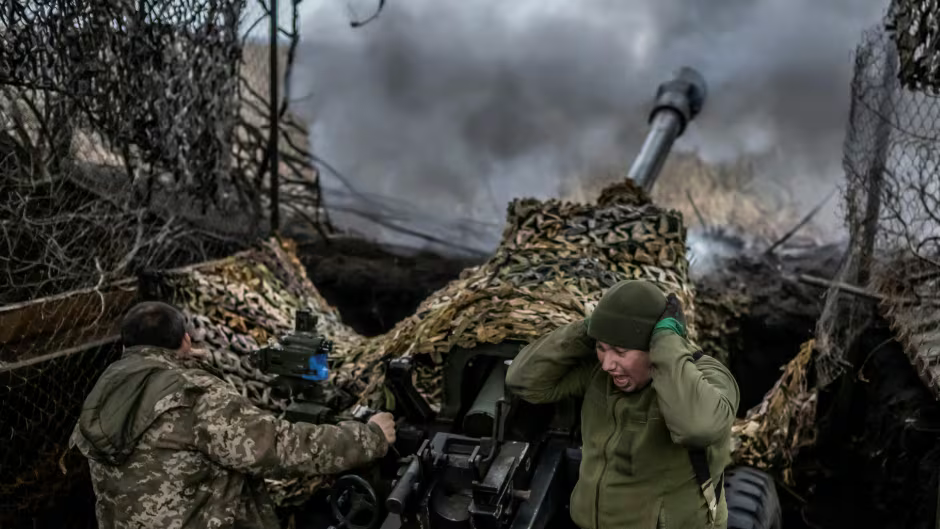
[(699, 459)]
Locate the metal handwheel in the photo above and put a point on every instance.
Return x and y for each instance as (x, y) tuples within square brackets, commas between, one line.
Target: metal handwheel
[(354, 503)]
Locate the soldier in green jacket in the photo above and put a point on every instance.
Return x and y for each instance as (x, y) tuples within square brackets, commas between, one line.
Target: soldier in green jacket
[(649, 401), (171, 446)]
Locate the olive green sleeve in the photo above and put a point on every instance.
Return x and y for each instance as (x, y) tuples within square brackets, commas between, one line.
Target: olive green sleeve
[(698, 400), (554, 367)]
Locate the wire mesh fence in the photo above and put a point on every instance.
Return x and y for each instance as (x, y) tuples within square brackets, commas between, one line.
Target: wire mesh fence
[(133, 137), (892, 208), (41, 399)]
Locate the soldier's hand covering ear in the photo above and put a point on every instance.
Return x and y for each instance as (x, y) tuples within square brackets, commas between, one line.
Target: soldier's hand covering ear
[(672, 319)]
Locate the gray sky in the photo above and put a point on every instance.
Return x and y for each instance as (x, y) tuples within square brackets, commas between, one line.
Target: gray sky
[(451, 109)]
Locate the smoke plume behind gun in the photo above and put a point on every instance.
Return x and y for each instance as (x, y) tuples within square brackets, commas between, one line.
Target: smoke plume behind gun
[(439, 113)]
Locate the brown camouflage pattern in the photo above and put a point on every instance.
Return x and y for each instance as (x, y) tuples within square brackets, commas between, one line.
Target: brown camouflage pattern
[(203, 462), (554, 263)]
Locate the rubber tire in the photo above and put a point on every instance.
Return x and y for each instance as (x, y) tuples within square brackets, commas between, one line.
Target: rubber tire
[(752, 499)]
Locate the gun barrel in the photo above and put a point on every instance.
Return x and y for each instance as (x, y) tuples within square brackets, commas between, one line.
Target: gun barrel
[(404, 488), (677, 103), (479, 420)]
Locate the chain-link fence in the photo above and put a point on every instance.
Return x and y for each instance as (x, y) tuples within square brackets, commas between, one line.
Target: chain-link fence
[(892, 208), (133, 137)]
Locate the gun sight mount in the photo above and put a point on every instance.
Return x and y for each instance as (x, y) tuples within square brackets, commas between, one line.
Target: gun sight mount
[(300, 362)]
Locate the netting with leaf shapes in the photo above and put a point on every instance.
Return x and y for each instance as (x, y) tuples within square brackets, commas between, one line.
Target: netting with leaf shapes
[(915, 27), (117, 142), (892, 211)]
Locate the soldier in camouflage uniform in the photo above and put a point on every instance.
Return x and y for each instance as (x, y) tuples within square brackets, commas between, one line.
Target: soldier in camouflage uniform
[(173, 446)]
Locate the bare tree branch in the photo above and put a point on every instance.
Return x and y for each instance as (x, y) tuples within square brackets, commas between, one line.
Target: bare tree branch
[(375, 15)]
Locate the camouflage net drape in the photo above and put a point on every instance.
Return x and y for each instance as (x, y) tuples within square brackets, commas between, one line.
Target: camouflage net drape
[(892, 206), (772, 433), (555, 261), (117, 142), (915, 27), (133, 137)]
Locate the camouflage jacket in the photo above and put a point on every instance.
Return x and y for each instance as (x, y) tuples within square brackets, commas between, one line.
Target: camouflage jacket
[(172, 446)]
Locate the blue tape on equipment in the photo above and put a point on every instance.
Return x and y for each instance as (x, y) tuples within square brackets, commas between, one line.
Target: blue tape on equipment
[(319, 368)]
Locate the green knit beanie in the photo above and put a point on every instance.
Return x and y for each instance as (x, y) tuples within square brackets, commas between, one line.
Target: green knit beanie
[(626, 315)]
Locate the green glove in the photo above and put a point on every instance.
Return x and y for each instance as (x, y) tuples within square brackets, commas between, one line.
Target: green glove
[(672, 320)]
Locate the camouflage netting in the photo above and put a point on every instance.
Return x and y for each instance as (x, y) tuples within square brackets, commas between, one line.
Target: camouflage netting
[(915, 28), (554, 262), (236, 305), (772, 433), (718, 320), (892, 205)]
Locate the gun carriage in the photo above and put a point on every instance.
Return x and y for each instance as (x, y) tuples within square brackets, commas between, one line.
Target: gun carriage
[(486, 459)]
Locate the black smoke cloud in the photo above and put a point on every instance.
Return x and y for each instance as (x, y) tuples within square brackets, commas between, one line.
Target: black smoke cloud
[(439, 112)]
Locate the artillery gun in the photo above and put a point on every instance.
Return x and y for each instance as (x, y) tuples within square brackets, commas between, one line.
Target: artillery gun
[(484, 459)]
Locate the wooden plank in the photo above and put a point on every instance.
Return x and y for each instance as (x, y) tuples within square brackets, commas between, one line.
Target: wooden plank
[(108, 340), (918, 328), (923, 349), (74, 319), (20, 321), (61, 322)]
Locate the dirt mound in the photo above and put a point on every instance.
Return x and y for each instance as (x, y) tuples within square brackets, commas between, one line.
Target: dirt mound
[(758, 314), (375, 287), (875, 465), (751, 312)]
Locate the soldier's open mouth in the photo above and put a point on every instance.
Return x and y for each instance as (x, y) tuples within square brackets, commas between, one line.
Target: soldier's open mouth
[(621, 381)]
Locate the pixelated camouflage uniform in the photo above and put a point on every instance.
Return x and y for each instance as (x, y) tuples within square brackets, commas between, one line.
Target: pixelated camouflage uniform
[(173, 446)]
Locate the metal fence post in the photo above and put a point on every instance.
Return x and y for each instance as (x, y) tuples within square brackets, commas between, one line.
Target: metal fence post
[(273, 132)]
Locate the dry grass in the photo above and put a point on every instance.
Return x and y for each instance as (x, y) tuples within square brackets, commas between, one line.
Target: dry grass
[(731, 195), (773, 432)]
